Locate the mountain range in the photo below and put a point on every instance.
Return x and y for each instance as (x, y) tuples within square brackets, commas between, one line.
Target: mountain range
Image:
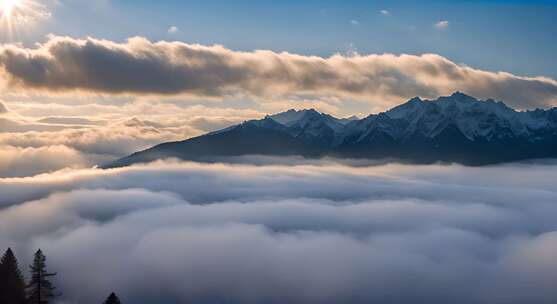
[(456, 128)]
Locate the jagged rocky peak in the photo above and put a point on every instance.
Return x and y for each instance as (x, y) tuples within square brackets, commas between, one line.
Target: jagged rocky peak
[(415, 100), (456, 105), (466, 101), (458, 97), (405, 107), (455, 128), (292, 116)]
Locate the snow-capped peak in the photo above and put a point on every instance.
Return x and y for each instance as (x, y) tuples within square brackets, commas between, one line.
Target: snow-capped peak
[(456, 128), (475, 119), (292, 116)]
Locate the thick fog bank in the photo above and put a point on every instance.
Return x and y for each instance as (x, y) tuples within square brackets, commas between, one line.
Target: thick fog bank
[(323, 232)]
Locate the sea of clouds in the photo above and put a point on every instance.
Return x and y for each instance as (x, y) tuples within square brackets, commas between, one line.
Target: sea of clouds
[(289, 231), (258, 229)]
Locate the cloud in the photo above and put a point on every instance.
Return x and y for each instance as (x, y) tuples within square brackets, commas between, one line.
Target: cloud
[(443, 24), (139, 67), (3, 108), (352, 50), (14, 124), (208, 124), (116, 139), (102, 133), (354, 22), (173, 30), (385, 12), (29, 148), (302, 233), (60, 120), (196, 182), (18, 162)]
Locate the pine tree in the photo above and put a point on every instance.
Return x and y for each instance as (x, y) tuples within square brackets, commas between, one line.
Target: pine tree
[(12, 284), (40, 289), (112, 299)]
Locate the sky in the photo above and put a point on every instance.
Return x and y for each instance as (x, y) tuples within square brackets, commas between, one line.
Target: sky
[(97, 80), (512, 36), (83, 83)]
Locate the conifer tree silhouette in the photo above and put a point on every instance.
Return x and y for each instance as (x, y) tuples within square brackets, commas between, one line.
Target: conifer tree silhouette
[(40, 289), (12, 284), (112, 299)]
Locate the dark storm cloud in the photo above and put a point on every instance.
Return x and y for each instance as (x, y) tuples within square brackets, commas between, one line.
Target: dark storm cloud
[(139, 66), (301, 233)]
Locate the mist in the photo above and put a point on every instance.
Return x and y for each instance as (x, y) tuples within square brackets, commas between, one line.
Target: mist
[(288, 231)]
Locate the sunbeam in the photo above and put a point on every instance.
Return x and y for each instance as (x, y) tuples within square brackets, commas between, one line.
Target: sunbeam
[(17, 16)]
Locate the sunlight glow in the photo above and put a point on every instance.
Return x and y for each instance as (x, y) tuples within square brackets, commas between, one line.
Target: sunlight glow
[(18, 15), (7, 6)]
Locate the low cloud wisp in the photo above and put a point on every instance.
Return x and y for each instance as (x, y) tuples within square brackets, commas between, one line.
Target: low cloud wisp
[(443, 24)]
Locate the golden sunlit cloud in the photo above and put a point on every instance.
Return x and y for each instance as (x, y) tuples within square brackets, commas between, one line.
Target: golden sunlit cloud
[(362, 83)]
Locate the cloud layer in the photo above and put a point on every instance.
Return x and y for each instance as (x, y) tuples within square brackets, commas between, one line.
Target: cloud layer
[(139, 66), (297, 233), (19, 162), (284, 230), (97, 134), (98, 100)]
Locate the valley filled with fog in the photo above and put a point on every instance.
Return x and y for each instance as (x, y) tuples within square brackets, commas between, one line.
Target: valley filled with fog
[(289, 230), (272, 152)]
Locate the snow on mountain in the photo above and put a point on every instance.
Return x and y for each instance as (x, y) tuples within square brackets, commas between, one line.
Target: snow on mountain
[(476, 119), (289, 117), (304, 118), (312, 125), (456, 128)]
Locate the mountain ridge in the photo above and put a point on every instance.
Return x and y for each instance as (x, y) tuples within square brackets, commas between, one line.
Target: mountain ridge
[(456, 128)]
